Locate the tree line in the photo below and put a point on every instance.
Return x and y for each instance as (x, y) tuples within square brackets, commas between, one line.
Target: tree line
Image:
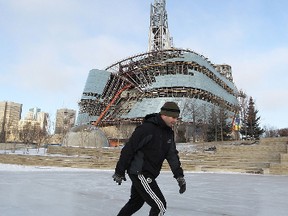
[(28, 133), (215, 123)]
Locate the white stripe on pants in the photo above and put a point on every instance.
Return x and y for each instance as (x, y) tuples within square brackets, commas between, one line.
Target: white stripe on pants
[(148, 189)]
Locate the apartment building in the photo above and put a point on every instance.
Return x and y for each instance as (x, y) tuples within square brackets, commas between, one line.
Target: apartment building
[(35, 117), (10, 115), (65, 119)]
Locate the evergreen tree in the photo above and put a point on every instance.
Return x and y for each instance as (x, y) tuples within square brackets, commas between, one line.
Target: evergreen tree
[(250, 123)]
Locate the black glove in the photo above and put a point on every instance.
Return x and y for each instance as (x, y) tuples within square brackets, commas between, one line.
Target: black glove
[(118, 178), (182, 184)]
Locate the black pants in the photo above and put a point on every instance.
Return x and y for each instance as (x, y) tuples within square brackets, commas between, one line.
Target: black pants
[(144, 189)]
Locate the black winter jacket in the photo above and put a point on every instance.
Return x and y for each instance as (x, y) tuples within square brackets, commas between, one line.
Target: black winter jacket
[(150, 144)]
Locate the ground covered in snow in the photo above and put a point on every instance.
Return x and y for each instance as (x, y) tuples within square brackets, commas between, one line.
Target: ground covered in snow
[(46, 191)]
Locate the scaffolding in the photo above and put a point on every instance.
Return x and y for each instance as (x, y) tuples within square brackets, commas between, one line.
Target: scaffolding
[(163, 73), (140, 73)]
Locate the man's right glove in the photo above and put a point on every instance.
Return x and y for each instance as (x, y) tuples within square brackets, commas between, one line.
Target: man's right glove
[(182, 184), (118, 178)]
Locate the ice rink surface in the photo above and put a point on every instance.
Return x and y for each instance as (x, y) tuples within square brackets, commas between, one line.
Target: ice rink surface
[(47, 191)]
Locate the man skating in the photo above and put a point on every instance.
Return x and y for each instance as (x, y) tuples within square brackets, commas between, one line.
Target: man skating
[(142, 157)]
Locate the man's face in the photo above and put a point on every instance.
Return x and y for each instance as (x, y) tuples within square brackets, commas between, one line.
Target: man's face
[(170, 121)]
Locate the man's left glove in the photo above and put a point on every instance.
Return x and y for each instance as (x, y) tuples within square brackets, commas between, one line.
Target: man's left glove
[(182, 184), (118, 178)]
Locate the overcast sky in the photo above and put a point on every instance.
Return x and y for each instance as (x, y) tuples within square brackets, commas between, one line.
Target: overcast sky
[(47, 47)]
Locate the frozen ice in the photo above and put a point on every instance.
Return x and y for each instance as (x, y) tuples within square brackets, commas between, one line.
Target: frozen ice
[(46, 191)]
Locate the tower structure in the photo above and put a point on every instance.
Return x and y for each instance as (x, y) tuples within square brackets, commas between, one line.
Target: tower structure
[(159, 37)]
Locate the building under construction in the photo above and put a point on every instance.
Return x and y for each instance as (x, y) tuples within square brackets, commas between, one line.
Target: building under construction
[(131, 88)]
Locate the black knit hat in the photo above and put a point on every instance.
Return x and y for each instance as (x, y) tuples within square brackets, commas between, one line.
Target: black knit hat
[(170, 109)]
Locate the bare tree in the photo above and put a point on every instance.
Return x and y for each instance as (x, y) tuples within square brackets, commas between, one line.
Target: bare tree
[(212, 133), (283, 132), (15, 132), (28, 133), (270, 131), (192, 110), (40, 136), (225, 126)]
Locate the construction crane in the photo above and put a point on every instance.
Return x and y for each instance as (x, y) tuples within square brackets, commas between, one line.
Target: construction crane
[(110, 104)]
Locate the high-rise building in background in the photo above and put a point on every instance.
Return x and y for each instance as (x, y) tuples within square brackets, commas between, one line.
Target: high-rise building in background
[(11, 123), (42, 118), (35, 116), (33, 113), (65, 119), (10, 114)]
